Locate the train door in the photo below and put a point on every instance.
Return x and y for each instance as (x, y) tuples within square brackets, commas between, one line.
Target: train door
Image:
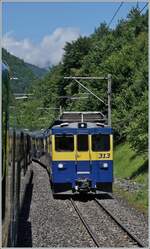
[(83, 154), (101, 158)]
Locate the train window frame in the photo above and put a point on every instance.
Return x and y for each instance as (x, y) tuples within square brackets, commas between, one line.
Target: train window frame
[(64, 135), (103, 149), (87, 143)]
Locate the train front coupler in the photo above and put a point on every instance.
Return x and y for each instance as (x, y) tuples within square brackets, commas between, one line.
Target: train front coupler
[(82, 185)]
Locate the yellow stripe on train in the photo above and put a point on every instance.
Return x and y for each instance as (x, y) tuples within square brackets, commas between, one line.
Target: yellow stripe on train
[(82, 155)]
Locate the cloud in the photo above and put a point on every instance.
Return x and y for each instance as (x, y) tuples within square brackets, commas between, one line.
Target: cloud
[(48, 52)]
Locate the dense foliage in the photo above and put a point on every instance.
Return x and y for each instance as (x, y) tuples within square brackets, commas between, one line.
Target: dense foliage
[(123, 53)]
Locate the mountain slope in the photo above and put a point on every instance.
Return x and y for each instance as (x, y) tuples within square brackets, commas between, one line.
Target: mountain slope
[(24, 72), (39, 72)]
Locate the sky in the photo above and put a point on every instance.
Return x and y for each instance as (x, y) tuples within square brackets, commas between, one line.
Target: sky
[(38, 32)]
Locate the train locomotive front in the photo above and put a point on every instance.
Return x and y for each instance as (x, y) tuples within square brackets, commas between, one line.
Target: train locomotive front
[(82, 158)]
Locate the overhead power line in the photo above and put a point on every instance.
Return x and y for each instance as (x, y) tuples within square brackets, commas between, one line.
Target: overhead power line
[(115, 13), (143, 8), (119, 9)]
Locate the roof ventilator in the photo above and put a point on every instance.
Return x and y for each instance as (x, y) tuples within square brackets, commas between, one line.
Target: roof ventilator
[(64, 124), (100, 124)]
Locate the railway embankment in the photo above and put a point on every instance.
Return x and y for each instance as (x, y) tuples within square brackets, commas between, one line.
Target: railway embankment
[(131, 176)]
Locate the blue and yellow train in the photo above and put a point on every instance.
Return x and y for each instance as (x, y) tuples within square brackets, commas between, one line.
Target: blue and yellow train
[(82, 155)]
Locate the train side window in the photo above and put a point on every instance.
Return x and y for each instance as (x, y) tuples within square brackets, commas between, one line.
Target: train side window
[(64, 143), (82, 142), (100, 142)]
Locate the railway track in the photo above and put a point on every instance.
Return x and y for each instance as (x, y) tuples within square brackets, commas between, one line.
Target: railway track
[(92, 234), (136, 240)]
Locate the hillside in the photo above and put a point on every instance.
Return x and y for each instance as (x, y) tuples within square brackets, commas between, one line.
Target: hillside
[(121, 52), (39, 72), (26, 73)]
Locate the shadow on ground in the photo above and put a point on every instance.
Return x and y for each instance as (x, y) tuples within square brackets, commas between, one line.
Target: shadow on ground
[(25, 228), (141, 170), (84, 197)]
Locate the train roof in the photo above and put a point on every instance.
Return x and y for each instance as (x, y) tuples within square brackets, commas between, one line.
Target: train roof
[(40, 134), (18, 132), (76, 127), (90, 116)]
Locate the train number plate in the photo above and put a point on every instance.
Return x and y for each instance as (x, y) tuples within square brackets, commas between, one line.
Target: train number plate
[(104, 155)]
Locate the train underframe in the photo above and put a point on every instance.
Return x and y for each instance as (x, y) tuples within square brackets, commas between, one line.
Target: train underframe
[(81, 186)]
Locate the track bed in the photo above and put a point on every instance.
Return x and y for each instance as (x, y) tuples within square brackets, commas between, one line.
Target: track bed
[(49, 222)]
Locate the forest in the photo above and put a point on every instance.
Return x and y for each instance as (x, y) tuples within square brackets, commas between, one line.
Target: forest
[(121, 52)]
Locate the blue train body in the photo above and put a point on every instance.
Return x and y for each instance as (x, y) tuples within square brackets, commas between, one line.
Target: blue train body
[(82, 158)]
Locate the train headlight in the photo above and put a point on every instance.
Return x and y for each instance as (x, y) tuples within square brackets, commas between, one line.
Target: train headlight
[(105, 165), (60, 166)]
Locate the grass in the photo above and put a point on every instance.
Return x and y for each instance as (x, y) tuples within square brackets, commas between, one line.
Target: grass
[(128, 164)]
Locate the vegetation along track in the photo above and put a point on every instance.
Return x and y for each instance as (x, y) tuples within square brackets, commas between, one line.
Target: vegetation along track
[(136, 240), (92, 232)]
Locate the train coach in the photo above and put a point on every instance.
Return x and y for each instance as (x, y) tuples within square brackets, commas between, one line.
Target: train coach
[(40, 144), (82, 154), (16, 157)]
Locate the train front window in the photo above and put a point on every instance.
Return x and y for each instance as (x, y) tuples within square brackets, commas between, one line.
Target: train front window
[(64, 143), (82, 142), (100, 142)]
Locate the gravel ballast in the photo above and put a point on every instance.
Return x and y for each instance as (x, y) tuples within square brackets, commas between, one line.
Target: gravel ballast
[(53, 223), (136, 222), (108, 233), (49, 222)]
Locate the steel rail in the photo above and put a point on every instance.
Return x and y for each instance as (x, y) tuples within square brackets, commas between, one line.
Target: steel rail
[(135, 239), (90, 232)]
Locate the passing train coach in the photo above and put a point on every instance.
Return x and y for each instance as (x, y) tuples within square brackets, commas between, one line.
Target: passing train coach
[(81, 154), (16, 158)]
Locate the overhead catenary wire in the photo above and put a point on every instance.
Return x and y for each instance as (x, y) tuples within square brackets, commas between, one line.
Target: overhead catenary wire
[(119, 9), (115, 13), (143, 8)]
